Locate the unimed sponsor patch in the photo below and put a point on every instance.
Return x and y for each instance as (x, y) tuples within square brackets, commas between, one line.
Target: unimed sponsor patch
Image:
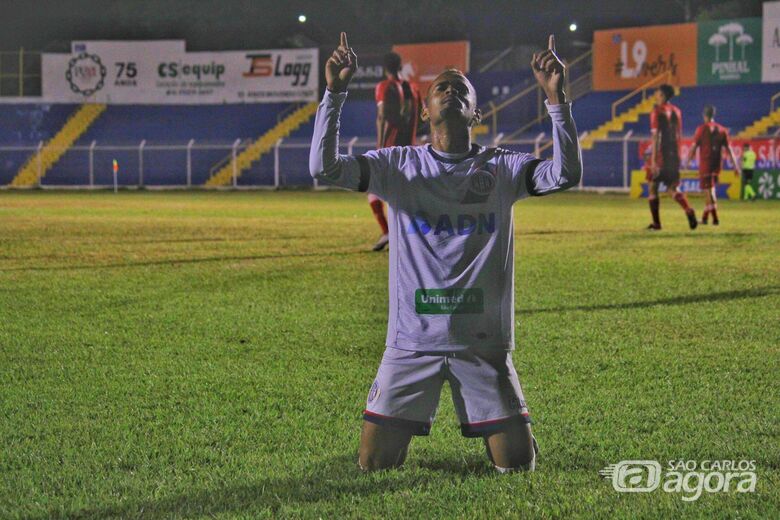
[(448, 301)]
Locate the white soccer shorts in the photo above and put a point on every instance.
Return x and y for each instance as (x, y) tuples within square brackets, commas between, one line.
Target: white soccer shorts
[(485, 390)]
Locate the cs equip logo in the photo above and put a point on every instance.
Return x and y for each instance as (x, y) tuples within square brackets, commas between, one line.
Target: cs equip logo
[(85, 74), (634, 476)]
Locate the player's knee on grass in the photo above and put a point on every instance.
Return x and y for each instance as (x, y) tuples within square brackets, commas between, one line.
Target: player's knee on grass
[(512, 448), (382, 447)]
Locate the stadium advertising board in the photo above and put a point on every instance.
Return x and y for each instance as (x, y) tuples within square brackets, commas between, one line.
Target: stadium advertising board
[(627, 58), (422, 62), (369, 73), (729, 51), (728, 184), (132, 73), (766, 184), (770, 68), (767, 152), (767, 161), (138, 46)]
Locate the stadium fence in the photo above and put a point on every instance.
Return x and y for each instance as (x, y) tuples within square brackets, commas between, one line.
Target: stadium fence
[(190, 165)]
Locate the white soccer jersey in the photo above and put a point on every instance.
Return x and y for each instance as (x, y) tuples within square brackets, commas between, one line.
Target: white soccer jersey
[(451, 269)]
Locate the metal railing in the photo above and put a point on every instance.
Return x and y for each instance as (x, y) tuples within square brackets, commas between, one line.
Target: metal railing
[(289, 109), (184, 165), (656, 81), (190, 165), (772, 102), (237, 145), (577, 87), (82, 160)]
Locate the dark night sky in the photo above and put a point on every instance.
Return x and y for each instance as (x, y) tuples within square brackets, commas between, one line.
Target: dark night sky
[(241, 24)]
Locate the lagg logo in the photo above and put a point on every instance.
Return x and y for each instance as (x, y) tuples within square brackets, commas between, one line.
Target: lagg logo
[(263, 65)]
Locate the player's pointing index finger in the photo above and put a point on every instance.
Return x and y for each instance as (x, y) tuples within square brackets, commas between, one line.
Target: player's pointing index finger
[(344, 40), (551, 43)]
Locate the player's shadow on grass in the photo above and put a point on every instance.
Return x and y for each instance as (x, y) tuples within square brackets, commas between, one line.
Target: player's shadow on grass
[(180, 261), (328, 479), (473, 464), (686, 299)]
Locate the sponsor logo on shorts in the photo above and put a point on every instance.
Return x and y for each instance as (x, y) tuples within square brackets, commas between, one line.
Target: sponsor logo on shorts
[(515, 403), (374, 392), (448, 301)]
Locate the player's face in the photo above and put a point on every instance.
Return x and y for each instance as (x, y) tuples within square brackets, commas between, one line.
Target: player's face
[(451, 97), (660, 98)]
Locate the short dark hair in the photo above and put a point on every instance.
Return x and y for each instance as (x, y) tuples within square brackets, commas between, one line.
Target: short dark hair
[(449, 70), (392, 62), (746, 145), (709, 111), (667, 90)]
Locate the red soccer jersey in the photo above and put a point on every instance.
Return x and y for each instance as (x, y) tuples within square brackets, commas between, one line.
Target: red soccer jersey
[(401, 107), (711, 138), (666, 120)]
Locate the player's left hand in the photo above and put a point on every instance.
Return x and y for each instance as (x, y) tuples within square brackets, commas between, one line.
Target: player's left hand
[(550, 73)]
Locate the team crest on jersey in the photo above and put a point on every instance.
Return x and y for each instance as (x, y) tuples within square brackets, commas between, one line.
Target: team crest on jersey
[(374, 392), (481, 184)]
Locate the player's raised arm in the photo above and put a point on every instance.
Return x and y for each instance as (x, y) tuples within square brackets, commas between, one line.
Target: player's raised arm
[(565, 169), (325, 163)]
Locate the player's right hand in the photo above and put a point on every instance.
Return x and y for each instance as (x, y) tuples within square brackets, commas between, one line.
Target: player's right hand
[(341, 66)]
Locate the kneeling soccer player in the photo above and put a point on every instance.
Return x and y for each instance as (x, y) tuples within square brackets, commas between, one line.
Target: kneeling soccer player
[(451, 281)]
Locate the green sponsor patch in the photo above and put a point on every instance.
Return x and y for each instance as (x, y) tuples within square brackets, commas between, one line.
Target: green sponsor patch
[(448, 301), (729, 51)]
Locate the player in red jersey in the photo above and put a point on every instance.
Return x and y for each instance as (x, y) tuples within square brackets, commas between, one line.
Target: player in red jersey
[(711, 138), (397, 111), (666, 128)]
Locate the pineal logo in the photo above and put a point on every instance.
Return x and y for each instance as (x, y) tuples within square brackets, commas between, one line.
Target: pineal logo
[(734, 64), (86, 74)]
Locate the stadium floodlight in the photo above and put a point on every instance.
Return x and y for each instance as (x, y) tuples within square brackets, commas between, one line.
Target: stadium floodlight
[(302, 18), (573, 26)]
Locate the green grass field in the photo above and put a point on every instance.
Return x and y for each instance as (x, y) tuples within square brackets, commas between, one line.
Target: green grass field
[(208, 354)]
